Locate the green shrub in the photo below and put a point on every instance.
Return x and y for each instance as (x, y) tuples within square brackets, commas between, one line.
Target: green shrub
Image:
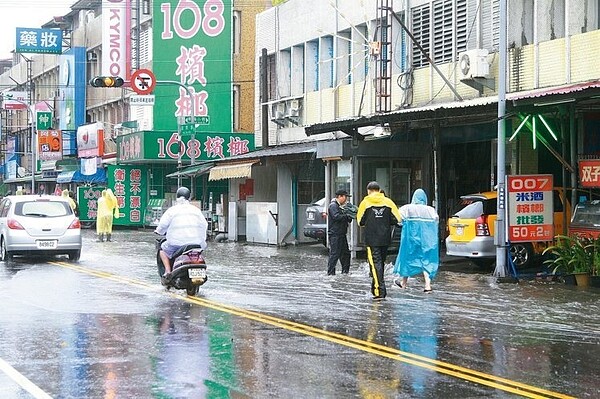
[(577, 254)]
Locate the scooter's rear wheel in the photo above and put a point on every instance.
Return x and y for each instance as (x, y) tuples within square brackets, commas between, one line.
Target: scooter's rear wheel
[(192, 290)]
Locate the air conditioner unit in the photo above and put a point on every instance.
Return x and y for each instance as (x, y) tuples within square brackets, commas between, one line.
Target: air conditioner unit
[(294, 108), (473, 64), (277, 111)]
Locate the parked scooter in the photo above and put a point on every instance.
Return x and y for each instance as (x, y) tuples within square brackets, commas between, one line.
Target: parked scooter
[(189, 268)]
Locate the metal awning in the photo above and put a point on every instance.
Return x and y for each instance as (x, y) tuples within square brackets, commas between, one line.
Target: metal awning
[(232, 170), (191, 171)]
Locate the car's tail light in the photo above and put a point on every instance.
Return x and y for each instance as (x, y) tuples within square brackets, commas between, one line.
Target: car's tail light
[(14, 225), (481, 226), (76, 224), (324, 215)]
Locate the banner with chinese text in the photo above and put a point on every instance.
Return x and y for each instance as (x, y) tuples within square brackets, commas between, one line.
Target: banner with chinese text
[(43, 41), (530, 208), (589, 172), (49, 145), (130, 187), (192, 45), (87, 198), (164, 146)]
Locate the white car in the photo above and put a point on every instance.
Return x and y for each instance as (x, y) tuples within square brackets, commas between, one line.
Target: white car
[(38, 225)]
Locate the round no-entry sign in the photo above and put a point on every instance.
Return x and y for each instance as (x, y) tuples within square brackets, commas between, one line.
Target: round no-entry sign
[(143, 81)]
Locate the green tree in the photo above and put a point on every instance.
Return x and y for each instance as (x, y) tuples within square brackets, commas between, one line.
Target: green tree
[(278, 2)]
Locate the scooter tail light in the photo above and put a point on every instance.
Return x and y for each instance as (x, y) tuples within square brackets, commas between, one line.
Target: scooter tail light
[(76, 224), (481, 226), (14, 225)]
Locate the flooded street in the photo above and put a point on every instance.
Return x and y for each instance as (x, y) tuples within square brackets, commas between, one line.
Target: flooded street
[(270, 323)]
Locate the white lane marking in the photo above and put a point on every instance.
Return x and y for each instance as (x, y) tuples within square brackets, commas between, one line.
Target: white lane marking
[(23, 381)]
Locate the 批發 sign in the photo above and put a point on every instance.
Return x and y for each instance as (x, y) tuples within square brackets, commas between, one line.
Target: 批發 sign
[(530, 208)]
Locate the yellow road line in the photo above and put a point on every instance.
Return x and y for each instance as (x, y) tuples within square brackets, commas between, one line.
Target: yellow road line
[(450, 369)]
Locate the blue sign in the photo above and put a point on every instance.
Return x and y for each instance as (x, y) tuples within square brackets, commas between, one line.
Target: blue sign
[(72, 84), (31, 40)]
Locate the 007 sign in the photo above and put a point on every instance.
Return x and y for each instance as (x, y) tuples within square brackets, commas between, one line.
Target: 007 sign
[(530, 208)]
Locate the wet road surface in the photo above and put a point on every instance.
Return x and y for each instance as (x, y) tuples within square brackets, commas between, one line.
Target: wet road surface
[(269, 323)]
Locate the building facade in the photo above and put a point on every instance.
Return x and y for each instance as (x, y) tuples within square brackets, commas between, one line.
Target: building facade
[(405, 92)]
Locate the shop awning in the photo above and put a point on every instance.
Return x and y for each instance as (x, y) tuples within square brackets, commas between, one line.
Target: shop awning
[(65, 177), (232, 170), (191, 171), (99, 177)]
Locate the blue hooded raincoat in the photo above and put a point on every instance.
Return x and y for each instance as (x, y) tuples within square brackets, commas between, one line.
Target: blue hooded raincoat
[(419, 241)]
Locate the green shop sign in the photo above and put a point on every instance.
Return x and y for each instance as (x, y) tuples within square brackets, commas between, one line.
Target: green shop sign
[(165, 146), (87, 198), (192, 46), (129, 185)]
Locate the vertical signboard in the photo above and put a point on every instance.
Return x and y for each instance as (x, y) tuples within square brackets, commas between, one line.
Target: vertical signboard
[(192, 45), (129, 185), (11, 158), (530, 208), (116, 38), (72, 85)]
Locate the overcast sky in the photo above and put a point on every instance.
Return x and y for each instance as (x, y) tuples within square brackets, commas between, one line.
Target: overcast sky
[(26, 14)]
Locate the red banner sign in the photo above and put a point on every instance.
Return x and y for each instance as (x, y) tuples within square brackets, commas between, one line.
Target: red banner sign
[(589, 172)]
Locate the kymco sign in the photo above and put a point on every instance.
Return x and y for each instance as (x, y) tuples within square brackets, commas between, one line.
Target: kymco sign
[(116, 38)]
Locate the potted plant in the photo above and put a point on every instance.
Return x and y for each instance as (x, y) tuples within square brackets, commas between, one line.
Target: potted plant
[(573, 258), (595, 270)]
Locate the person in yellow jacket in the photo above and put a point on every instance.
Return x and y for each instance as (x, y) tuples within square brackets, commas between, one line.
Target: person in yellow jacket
[(377, 214), (108, 207), (65, 195)]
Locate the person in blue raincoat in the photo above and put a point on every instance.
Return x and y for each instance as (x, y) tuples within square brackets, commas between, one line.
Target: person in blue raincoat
[(419, 252)]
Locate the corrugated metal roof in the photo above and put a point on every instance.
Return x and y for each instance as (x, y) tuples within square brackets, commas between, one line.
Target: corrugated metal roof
[(566, 89)]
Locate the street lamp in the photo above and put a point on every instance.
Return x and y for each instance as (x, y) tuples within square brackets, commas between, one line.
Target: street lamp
[(6, 96)]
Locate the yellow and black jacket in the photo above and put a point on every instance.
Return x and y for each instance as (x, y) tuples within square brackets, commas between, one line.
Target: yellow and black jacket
[(377, 213)]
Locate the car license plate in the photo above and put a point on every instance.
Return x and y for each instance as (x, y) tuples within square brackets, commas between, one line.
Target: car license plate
[(196, 273), (310, 216), (460, 231), (47, 244)]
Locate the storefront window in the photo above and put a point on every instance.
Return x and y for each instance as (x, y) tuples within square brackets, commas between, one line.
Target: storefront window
[(311, 181), (396, 177), (342, 176)]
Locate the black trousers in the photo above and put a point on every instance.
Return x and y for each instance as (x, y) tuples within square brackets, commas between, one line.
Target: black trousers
[(338, 250), (376, 258)]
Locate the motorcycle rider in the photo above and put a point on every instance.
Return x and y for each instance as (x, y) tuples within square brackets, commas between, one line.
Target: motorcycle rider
[(183, 224)]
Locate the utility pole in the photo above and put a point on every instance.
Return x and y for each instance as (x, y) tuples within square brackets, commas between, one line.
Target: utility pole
[(501, 245)]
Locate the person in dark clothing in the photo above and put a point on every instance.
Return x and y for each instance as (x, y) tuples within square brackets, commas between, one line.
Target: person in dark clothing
[(378, 215), (337, 227)]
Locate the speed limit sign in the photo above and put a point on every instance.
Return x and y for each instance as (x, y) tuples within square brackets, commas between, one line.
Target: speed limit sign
[(143, 81)]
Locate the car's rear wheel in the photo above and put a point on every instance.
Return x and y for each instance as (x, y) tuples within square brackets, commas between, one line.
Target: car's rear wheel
[(4, 254), (192, 290), (74, 255), (521, 254)]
